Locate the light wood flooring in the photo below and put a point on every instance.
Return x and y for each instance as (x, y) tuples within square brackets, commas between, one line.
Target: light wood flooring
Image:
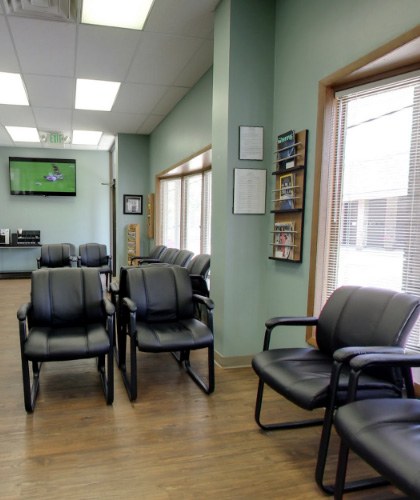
[(174, 442)]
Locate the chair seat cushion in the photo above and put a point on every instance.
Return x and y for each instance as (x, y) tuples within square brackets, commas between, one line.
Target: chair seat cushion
[(173, 336), (56, 344), (387, 435), (302, 375)]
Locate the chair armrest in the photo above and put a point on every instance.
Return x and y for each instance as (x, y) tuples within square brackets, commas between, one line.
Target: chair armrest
[(291, 321), (131, 306), (206, 301), (272, 323), (144, 259), (345, 354), (23, 310), (114, 288), (108, 306), (397, 357)]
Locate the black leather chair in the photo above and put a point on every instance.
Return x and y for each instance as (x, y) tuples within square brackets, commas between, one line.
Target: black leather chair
[(67, 318), (357, 318), (155, 255), (385, 433), (96, 255), (182, 258), (55, 255), (158, 316), (199, 267)]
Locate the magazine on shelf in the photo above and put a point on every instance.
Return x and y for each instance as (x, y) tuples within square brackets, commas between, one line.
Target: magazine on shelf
[(284, 240), (287, 192), (286, 149)]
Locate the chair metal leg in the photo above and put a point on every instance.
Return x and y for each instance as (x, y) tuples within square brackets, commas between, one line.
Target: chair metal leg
[(30, 393), (207, 388), (280, 425), (183, 357), (325, 442), (130, 380)]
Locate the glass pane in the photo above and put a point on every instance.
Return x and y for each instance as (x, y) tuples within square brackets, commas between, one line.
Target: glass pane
[(375, 189), (192, 224), (171, 212)]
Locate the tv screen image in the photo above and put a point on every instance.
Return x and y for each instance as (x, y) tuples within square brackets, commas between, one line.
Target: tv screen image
[(42, 176)]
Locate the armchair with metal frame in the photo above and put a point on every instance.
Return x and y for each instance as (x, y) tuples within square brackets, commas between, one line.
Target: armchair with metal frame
[(96, 255), (383, 432), (362, 319), (56, 255), (67, 318), (155, 255), (158, 317)]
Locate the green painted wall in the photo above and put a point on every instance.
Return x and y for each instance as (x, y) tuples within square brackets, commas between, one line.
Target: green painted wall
[(186, 130), (242, 95), (313, 40), (80, 219), (132, 177)]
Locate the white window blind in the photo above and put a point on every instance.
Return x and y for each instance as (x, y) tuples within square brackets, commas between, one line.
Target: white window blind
[(373, 220), (185, 212), (170, 212)]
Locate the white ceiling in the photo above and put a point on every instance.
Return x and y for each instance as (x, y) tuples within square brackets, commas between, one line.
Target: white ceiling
[(157, 67)]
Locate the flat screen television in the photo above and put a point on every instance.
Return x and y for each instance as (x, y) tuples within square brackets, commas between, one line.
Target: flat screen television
[(42, 176)]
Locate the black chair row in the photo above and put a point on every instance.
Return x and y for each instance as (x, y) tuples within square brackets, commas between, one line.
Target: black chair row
[(64, 255), (160, 254), (355, 320), (69, 318)]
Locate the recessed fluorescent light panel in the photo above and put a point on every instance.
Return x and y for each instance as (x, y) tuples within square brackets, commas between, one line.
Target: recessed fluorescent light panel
[(86, 137), (23, 134), (12, 90), (96, 94), (130, 14)]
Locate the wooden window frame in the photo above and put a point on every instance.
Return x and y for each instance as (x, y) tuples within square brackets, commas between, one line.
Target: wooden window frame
[(397, 57)]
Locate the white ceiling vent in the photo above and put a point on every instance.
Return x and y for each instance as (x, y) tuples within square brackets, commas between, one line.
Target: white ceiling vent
[(51, 10)]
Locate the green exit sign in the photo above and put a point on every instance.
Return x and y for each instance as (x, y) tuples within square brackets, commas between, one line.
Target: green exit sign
[(56, 138)]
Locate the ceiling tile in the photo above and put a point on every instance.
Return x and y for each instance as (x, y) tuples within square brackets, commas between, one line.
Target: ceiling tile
[(138, 98), (44, 47), (105, 53), (169, 100), (150, 123), (53, 119), (8, 59), (201, 61), (160, 58), (107, 121), (5, 139), (183, 17), (50, 91), (19, 116)]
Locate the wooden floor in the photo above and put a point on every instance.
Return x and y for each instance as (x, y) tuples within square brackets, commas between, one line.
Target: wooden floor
[(174, 442)]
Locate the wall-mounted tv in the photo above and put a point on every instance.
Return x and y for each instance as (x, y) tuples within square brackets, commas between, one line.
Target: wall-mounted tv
[(42, 176)]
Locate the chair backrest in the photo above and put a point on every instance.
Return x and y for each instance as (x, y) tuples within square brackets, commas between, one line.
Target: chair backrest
[(157, 252), (170, 255), (55, 255), (93, 255), (161, 293), (366, 316), (64, 296), (183, 257), (199, 264)]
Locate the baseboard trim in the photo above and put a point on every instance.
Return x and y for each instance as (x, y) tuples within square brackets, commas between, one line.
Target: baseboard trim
[(233, 361)]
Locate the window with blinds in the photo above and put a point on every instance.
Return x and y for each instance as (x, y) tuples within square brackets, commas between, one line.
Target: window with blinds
[(373, 222), (185, 212)]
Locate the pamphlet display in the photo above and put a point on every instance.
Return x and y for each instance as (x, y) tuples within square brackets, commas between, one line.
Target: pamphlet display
[(288, 201)]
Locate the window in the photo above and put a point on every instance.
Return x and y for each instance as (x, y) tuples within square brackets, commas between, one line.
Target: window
[(371, 234), (185, 211)]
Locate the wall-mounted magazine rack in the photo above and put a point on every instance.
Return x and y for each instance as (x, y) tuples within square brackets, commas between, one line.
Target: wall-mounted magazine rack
[(288, 199)]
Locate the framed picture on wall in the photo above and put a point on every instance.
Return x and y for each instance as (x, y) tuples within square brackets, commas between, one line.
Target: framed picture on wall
[(133, 204)]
